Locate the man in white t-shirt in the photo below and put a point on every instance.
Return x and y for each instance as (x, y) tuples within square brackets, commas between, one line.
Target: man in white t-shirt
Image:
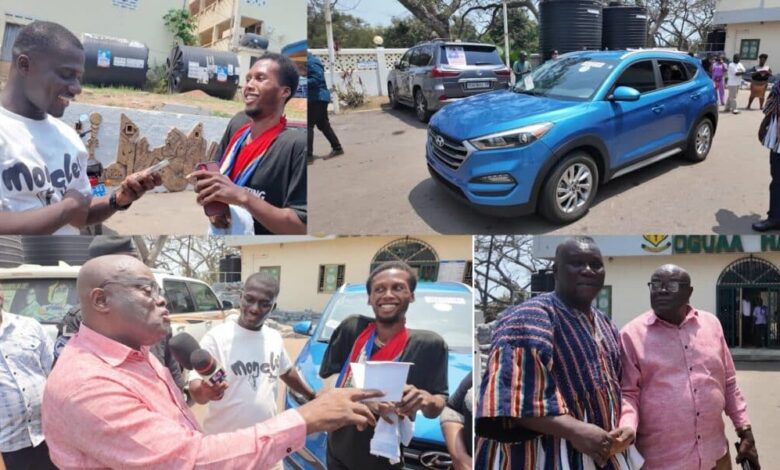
[(44, 187), (254, 358), (736, 69)]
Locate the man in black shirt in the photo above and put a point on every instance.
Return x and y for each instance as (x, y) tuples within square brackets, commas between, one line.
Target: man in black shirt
[(264, 163), (390, 291)]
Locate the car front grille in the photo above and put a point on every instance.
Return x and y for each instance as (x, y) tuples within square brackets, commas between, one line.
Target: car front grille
[(422, 456), (448, 151)]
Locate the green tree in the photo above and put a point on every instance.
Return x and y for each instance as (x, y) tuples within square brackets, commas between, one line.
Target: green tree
[(523, 32), (348, 31), (182, 26), (406, 32)]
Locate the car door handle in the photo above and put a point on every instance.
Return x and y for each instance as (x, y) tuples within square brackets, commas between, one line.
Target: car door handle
[(695, 96), (657, 109)]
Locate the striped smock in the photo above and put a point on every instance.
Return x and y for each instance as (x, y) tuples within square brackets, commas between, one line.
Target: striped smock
[(546, 359)]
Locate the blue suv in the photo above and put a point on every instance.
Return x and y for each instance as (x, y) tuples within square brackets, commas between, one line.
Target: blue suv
[(573, 124), (443, 307)]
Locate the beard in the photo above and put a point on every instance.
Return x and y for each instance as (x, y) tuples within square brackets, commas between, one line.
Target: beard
[(254, 113)]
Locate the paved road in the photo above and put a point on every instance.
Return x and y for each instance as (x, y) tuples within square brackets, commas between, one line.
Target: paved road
[(758, 383), (381, 186)]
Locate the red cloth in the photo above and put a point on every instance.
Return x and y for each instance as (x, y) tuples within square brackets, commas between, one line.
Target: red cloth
[(391, 351), (255, 148)]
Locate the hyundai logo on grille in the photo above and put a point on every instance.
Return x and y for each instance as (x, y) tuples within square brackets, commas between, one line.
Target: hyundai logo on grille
[(435, 460), (438, 140)]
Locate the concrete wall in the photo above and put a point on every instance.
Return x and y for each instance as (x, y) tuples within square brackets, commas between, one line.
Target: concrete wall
[(139, 20), (300, 263), (629, 276), (370, 67), (768, 33)]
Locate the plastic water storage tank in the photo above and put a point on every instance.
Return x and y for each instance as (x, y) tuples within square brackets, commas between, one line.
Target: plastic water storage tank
[(569, 25), (625, 27), (114, 62), (49, 251), (11, 251), (197, 68)]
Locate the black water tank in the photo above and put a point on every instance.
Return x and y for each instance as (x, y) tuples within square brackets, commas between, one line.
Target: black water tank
[(230, 269), (569, 25), (543, 281), (49, 251), (624, 27), (197, 68), (114, 62), (716, 40), (11, 251)]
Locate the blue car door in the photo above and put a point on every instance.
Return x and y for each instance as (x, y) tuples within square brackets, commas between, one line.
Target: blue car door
[(636, 128), (680, 94)]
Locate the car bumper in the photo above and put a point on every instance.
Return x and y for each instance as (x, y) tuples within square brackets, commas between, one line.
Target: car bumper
[(524, 165)]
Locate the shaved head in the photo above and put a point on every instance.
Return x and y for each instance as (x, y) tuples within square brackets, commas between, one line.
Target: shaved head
[(120, 299), (579, 272)]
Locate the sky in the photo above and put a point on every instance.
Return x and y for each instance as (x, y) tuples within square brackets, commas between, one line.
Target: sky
[(374, 12)]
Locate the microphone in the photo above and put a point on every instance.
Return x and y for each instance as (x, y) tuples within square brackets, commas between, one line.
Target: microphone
[(182, 346), (208, 367)]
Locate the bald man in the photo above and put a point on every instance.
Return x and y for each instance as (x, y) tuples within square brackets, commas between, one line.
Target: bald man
[(678, 379), (109, 403), (546, 354)]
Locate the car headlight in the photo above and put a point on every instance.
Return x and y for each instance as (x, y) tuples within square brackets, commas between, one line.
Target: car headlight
[(512, 138)]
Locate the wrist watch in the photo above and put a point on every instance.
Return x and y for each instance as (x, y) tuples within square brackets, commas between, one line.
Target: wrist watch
[(113, 204)]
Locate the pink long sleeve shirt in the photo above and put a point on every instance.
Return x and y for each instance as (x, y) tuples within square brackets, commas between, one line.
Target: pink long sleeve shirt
[(677, 382), (106, 405)]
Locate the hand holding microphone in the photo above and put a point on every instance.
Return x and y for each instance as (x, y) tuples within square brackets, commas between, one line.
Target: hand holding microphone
[(191, 356)]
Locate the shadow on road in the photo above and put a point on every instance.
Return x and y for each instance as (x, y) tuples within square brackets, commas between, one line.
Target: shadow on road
[(405, 115), (730, 223), (447, 214)]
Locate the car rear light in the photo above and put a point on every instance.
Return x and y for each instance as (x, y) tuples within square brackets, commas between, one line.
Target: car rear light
[(503, 72), (436, 72), (443, 98)]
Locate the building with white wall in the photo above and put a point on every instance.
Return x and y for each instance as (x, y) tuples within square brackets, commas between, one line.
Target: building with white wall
[(133, 20), (310, 269), (752, 28), (222, 23), (724, 269)]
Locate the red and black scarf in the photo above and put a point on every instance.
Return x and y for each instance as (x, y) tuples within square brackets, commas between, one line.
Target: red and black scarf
[(363, 350)]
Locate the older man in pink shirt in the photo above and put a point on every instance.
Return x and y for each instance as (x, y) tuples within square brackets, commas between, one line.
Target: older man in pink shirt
[(678, 379), (110, 404)]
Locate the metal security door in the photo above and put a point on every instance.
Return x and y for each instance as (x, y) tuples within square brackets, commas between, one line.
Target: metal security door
[(728, 311)]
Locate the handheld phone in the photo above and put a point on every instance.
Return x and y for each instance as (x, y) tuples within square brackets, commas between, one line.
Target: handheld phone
[(158, 166), (212, 208)]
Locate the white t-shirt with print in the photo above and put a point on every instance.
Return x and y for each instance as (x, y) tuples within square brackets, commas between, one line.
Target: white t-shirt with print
[(39, 162), (735, 79), (253, 361)]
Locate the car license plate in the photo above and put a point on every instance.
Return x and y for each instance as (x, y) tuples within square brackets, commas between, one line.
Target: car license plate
[(477, 85)]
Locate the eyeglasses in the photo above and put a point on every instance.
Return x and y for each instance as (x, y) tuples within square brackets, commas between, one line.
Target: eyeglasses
[(671, 286), (150, 288)]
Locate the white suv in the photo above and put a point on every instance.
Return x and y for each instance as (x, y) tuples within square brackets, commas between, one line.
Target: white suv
[(46, 293)]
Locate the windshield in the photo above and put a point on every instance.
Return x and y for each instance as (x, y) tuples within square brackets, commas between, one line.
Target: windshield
[(469, 55), (446, 313), (46, 300), (571, 78)]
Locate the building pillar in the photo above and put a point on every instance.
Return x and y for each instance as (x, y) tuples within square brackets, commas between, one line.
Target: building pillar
[(381, 71)]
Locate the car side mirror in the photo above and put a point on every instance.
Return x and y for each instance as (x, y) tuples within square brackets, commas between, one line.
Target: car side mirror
[(624, 93), (397, 65), (303, 328), (227, 305)]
